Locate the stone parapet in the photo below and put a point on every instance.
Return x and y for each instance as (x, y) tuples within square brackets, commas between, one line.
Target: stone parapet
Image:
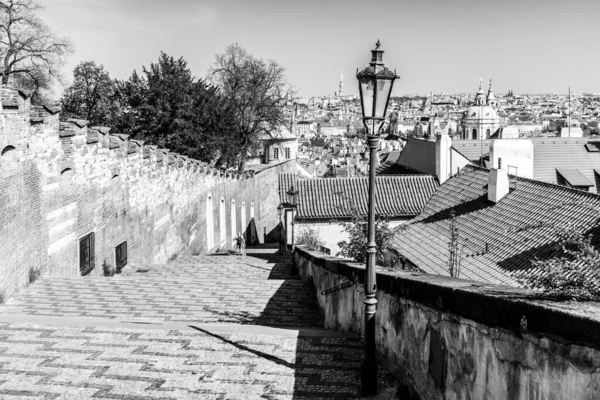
[(447, 338)]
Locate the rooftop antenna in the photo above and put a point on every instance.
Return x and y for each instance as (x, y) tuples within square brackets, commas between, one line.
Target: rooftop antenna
[(569, 116), (480, 136)]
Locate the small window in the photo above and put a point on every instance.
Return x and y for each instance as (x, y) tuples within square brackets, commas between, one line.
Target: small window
[(276, 153), (287, 153), (121, 256), (87, 254)]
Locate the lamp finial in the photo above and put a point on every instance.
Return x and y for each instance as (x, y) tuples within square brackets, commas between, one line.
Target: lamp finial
[(378, 44)]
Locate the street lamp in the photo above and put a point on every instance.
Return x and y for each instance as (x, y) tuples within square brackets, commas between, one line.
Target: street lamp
[(280, 213), (293, 193), (375, 86)]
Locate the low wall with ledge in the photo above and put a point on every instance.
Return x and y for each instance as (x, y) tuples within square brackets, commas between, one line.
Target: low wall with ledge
[(446, 338)]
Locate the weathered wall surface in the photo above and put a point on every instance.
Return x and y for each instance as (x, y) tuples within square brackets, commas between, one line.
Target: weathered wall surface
[(447, 338), (60, 181)]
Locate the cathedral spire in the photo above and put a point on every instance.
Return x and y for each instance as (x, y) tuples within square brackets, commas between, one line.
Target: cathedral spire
[(491, 99), (480, 99)]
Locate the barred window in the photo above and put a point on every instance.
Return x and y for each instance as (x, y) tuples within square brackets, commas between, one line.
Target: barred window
[(287, 153), (276, 153)]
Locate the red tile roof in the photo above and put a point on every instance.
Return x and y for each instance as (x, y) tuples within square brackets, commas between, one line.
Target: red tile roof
[(515, 230), (397, 196)]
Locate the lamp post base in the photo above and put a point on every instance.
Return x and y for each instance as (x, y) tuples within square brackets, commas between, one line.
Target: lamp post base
[(368, 377)]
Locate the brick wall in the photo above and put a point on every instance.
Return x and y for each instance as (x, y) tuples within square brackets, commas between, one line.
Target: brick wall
[(64, 180)]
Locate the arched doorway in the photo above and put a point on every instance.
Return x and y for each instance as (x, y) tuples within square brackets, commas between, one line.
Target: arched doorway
[(243, 217), (474, 134), (252, 224), (222, 224), (210, 224), (487, 133), (233, 224)]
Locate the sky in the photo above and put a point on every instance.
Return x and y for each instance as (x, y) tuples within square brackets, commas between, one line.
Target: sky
[(439, 46)]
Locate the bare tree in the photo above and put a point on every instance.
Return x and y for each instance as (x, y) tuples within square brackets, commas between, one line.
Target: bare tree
[(258, 91), (29, 50)]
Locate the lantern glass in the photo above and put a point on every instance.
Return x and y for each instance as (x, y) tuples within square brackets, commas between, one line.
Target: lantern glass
[(382, 95), (280, 210), (367, 84)]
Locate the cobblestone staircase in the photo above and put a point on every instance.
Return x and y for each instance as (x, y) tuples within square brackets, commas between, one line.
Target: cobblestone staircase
[(202, 327)]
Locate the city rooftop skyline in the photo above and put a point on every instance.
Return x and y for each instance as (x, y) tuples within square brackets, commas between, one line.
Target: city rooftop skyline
[(538, 46)]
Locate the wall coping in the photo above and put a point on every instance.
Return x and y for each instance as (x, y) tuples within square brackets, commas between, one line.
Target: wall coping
[(516, 309)]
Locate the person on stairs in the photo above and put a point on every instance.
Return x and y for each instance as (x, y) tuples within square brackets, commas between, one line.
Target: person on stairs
[(240, 244)]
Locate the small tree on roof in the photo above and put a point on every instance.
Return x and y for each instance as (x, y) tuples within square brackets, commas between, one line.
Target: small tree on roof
[(574, 272), (357, 229)]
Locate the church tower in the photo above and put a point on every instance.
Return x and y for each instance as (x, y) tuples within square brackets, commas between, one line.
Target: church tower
[(480, 99), (341, 90), (491, 99)]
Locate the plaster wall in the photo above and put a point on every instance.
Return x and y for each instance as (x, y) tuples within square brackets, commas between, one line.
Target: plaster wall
[(446, 338), (514, 153)]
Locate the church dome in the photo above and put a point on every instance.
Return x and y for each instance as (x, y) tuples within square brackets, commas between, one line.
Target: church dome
[(477, 113)]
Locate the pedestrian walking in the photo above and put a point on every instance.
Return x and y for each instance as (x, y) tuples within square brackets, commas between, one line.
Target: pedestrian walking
[(240, 244)]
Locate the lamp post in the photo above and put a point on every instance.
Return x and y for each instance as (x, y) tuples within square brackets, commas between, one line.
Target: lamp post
[(293, 193), (280, 213), (375, 87)]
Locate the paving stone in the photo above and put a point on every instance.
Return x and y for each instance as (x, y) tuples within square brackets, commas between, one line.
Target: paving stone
[(73, 355)]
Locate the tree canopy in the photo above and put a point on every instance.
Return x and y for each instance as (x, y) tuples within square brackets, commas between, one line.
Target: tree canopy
[(91, 94), (217, 120)]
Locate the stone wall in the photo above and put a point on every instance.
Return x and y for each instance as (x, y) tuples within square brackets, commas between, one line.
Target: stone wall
[(447, 338), (60, 181)]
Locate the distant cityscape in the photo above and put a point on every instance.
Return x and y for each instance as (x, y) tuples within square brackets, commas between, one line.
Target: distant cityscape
[(330, 130)]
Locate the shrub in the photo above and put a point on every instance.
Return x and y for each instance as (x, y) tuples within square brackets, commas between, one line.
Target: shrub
[(357, 229), (34, 274), (573, 273), (108, 269), (309, 236)]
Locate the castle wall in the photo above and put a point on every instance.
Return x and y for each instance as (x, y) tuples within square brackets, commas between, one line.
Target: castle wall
[(62, 181)]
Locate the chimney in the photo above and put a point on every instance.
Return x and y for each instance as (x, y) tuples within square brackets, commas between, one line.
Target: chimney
[(442, 157), (498, 185)]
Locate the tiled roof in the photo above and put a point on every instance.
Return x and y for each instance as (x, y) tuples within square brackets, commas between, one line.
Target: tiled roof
[(550, 154), (282, 133), (391, 166), (397, 196), (286, 180), (515, 230), (419, 155), (472, 149)]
